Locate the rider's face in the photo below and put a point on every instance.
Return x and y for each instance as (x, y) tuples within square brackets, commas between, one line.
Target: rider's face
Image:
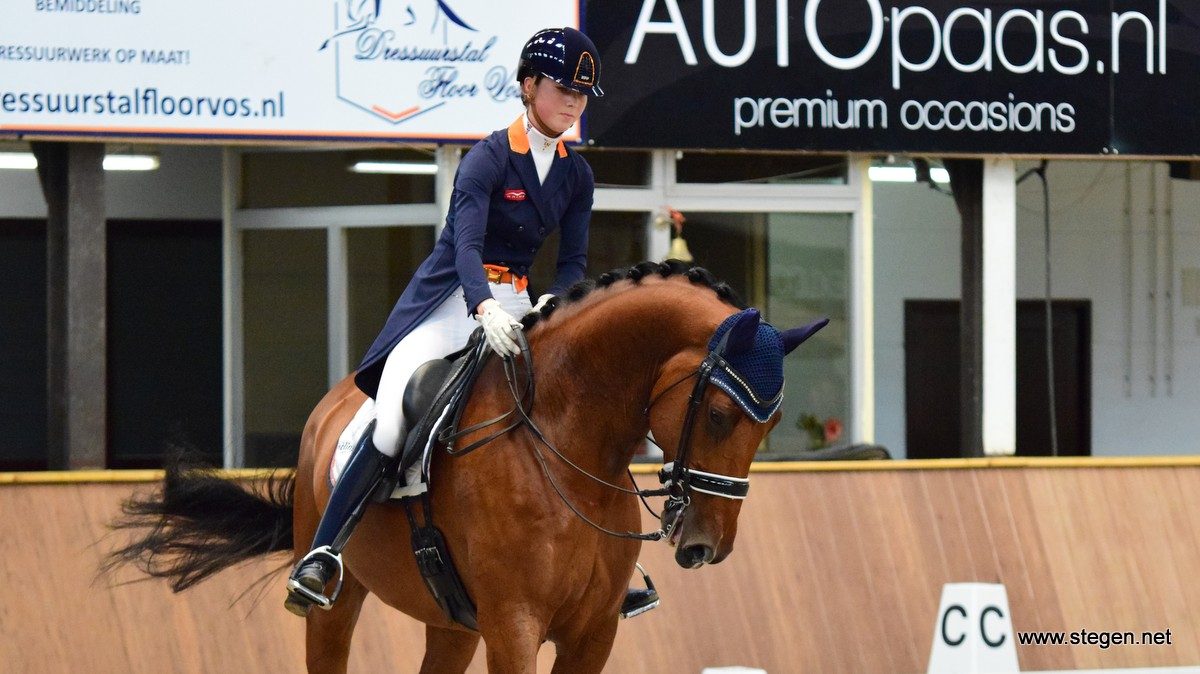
[(556, 106)]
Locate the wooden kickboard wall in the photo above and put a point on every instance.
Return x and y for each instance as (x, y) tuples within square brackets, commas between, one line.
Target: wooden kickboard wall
[(832, 572)]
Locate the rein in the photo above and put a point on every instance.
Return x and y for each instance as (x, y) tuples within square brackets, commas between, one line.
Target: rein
[(509, 375), (451, 432), (678, 480)]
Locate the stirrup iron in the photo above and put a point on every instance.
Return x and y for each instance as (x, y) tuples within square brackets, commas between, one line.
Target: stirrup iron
[(324, 553), (638, 602)]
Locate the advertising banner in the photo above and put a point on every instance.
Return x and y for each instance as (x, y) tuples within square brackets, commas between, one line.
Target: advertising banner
[(1082, 77), (271, 69)]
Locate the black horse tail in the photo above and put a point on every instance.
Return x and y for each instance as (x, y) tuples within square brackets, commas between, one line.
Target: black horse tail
[(200, 523)]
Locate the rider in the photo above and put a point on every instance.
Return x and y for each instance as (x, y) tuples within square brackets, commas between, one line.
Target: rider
[(512, 189)]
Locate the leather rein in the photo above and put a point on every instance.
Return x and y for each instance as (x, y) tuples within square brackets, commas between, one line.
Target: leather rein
[(678, 480)]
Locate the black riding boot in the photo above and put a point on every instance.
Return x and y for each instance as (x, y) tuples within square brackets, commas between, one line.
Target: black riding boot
[(306, 586)]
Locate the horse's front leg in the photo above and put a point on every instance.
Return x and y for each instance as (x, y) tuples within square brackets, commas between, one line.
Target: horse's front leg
[(587, 650), (448, 651), (327, 634), (512, 637)]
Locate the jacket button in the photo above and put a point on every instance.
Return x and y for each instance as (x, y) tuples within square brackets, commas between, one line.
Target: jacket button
[(541, 230), (520, 228), (509, 244), (533, 250)]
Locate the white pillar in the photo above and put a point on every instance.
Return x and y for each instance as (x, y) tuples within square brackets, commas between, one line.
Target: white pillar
[(233, 412), (862, 307), (662, 176), (338, 309), (448, 158), (999, 307)]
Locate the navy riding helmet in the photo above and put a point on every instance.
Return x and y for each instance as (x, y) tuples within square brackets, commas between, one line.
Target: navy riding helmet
[(564, 55)]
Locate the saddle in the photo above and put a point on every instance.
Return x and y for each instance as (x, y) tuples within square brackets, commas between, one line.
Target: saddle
[(435, 397)]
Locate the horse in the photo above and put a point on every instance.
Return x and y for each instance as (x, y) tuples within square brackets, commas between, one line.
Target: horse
[(611, 362)]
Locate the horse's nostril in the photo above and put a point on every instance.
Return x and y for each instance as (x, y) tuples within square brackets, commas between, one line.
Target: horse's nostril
[(694, 555)]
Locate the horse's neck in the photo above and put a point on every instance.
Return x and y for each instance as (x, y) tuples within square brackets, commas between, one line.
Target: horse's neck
[(599, 365)]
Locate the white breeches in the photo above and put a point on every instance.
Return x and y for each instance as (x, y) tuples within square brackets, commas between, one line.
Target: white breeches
[(443, 332)]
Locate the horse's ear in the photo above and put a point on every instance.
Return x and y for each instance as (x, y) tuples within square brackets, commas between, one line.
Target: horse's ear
[(796, 336), (743, 332)]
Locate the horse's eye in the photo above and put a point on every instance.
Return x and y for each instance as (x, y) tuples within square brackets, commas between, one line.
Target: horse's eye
[(716, 416)]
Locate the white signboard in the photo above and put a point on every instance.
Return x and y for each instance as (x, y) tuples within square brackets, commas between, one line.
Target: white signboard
[(973, 632), (269, 69)]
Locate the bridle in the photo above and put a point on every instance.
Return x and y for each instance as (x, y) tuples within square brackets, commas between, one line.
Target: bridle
[(678, 479)]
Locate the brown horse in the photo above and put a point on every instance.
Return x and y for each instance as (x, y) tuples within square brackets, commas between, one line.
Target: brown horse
[(610, 365)]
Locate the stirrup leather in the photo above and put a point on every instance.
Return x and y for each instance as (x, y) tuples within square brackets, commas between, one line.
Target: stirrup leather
[(323, 553)]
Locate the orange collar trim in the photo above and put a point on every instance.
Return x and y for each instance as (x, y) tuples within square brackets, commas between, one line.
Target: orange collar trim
[(519, 141)]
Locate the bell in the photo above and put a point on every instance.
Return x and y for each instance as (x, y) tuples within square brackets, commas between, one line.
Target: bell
[(679, 250)]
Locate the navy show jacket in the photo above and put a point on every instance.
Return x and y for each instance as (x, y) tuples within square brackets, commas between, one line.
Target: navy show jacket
[(499, 214)]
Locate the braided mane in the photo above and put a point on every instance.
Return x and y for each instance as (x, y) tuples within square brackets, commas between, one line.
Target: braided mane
[(697, 275)]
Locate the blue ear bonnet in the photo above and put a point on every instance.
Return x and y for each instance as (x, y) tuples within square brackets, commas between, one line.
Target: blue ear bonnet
[(754, 376)]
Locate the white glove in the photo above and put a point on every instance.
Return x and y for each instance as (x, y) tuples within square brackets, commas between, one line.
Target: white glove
[(499, 327), (541, 304)]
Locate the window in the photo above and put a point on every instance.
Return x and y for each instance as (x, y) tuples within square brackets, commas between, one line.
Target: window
[(23, 343), (808, 277), (750, 237), (164, 340), (615, 239), (743, 167), (618, 168), (285, 339), (794, 266), (381, 262), (294, 179)]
